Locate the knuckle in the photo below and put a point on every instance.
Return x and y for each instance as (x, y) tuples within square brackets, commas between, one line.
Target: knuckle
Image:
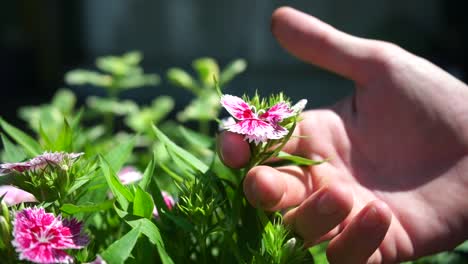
[(385, 56)]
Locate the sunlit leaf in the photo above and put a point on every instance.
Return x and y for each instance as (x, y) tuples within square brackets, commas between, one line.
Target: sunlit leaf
[(180, 152), (121, 249), (143, 204), (28, 143), (12, 152)]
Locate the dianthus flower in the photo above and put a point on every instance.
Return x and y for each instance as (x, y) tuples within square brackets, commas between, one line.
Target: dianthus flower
[(41, 237), (258, 125), (61, 159), (12, 195), (129, 174), (168, 200)]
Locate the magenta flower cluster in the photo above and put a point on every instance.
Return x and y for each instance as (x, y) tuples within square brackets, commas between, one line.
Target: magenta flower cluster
[(41, 237), (258, 125)]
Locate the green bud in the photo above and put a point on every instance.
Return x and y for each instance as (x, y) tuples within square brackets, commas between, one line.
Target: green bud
[(5, 230), (5, 211)]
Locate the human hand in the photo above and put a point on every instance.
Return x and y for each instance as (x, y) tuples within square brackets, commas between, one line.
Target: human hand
[(396, 184)]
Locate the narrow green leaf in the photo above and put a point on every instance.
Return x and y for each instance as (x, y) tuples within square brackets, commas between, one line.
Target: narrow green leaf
[(120, 250), (232, 70), (206, 69), (181, 78), (72, 209), (148, 174), (43, 135), (12, 153), (171, 173), (64, 139), (151, 231), (143, 204), (122, 194), (159, 200), (299, 160), (28, 143), (120, 154), (195, 138), (180, 152)]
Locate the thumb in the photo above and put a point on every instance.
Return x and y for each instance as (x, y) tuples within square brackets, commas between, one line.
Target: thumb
[(233, 150), (318, 43)]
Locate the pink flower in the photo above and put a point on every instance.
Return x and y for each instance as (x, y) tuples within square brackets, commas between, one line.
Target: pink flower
[(168, 199), (41, 237), (62, 159), (129, 174), (14, 195), (257, 126)]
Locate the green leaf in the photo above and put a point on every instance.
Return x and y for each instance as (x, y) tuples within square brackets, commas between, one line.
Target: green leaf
[(180, 152), (64, 140), (72, 209), (43, 135), (181, 78), (232, 70), (123, 195), (148, 174), (151, 231), (171, 173), (200, 140), (13, 153), (299, 160), (81, 77), (64, 100), (28, 143), (207, 68), (120, 250), (120, 154), (143, 204)]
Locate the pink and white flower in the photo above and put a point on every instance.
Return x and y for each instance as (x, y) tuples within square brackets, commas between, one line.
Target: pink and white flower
[(257, 125), (61, 159), (129, 174), (41, 237), (168, 199), (12, 195)]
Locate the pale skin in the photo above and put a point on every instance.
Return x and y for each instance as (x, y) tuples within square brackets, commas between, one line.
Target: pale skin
[(396, 185)]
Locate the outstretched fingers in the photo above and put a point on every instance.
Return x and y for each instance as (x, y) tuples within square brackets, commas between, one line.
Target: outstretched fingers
[(318, 43)]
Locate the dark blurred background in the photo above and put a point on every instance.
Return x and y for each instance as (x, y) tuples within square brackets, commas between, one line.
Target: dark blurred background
[(41, 40)]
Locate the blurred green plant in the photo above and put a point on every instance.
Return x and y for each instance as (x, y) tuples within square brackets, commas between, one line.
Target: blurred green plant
[(205, 106), (117, 74)]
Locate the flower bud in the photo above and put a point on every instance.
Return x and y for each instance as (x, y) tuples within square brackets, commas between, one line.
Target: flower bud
[(5, 211), (5, 230)]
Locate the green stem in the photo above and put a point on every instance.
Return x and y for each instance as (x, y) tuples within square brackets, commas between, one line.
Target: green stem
[(204, 127)]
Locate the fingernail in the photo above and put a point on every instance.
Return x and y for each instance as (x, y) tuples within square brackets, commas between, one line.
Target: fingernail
[(326, 204), (371, 218)]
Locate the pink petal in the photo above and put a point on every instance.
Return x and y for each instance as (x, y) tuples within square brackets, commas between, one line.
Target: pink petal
[(44, 253), (255, 130), (14, 195), (277, 113), (168, 199), (237, 107), (129, 174), (299, 106)]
